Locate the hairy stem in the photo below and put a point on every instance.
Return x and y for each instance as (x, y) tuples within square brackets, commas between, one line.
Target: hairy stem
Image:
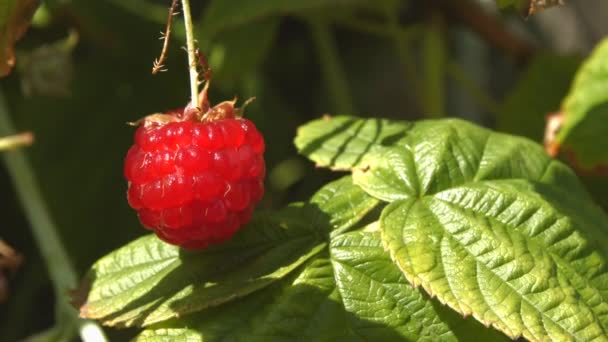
[(158, 63), (192, 63)]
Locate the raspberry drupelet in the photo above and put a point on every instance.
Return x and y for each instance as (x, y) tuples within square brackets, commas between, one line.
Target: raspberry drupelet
[(195, 182)]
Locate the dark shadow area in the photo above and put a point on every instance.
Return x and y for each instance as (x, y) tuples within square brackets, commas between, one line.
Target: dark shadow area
[(466, 328), (392, 139), (318, 142), (222, 273), (281, 312), (378, 126), (347, 141), (29, 292), (588, 137)]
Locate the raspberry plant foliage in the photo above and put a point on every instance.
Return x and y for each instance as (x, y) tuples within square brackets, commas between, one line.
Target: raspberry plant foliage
[(585, 113), (487, 228), (440, 230)]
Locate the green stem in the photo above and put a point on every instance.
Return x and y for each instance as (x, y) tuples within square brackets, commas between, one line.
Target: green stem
[(407, 60), (434, 62), (472, 88), (191, 52), (331, 66), (53, 253)]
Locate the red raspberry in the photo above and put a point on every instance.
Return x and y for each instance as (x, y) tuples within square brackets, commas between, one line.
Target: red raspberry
[(195, 183)]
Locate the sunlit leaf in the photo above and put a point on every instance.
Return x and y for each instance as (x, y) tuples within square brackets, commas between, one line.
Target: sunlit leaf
[(585, 113), (354, 293), (149, 281), (341, 142), (493, 227)]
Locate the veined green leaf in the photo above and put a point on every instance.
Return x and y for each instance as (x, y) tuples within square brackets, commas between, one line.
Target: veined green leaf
[(353, 293), (494, 228), (148, 281), (585, 110), (341, 142), (345, 203), (437, 155)]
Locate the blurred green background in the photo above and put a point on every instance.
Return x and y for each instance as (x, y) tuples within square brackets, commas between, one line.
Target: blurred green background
[(301, 59)]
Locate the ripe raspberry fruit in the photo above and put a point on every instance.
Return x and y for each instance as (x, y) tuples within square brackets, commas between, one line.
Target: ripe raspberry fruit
[(195, 182)]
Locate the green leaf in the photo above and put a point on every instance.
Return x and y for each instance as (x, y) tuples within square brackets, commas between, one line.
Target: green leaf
[(585, 110), (345, 203), (436, 155), (222, 15), (388, 174), (539, 91), (149, 281), (353, 293), (494, 228), (341, 142)]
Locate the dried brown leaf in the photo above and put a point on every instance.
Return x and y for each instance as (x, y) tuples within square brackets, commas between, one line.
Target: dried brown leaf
[(10, 261), (15, 18), (532, 7)]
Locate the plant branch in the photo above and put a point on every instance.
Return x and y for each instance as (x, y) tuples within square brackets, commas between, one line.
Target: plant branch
[(407, 60), (158, 63), (192, 61), (435, 59), (474, 90), (331, 66), (62, 273), (488, 28)]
